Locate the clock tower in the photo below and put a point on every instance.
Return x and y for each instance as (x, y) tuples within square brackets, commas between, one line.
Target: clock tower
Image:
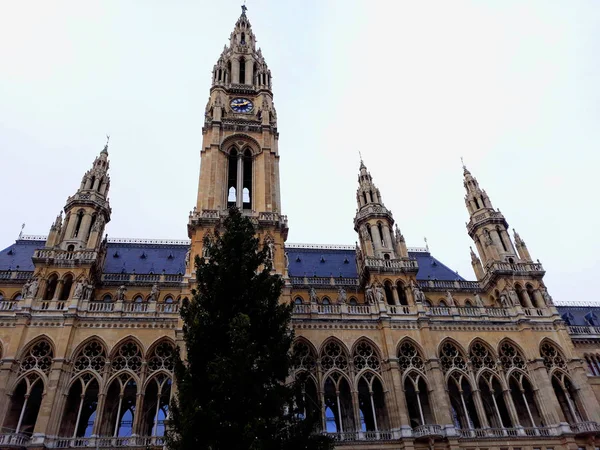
[(239, 156)]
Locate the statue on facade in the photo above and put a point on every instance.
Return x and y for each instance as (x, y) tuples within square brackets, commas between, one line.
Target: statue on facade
[(513, 297), (478, 300), (79, 289), (187, 259), (379, 293), (121, 293), (312, 295), (418, 294), (341, 295), (154, 293), (449, 299), (488, 237), (98, 224), (369, 296), (33, 288), (87, 290), (287, 261), (504, 301), (547, 298), (25, 289)]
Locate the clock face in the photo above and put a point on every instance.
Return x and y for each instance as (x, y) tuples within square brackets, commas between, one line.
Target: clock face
[(241, 105)]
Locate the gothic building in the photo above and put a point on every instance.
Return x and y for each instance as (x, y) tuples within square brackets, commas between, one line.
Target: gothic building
[(400, 351)]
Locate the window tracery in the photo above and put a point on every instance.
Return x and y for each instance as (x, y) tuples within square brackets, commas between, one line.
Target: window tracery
[(162, 357), (451, 358), (39, 356), (409, 357), (511, 357), (365, 357), (333, 357), (305, 358), (552, 357), (92, 356), (129, 357), (481, 357)]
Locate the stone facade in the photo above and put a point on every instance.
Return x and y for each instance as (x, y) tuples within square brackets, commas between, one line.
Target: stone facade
[(400, 351)]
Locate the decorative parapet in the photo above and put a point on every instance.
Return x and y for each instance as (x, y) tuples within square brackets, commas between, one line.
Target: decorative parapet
[(211, 216), (140, 279), (428, 431), (16, 276), (584, 332), (391, 265), (500, 268), (65, 258), (492, 216), (324, 282), (456, 285), (372, 211)]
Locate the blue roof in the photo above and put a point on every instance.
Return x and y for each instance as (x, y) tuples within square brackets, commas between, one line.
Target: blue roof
[(120, 258), (340, 262), (580, 315), (170, 258)]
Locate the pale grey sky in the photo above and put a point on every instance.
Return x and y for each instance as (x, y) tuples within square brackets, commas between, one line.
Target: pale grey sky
[(512, 86)]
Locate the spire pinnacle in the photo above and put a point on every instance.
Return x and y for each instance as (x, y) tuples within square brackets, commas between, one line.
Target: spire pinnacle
[(105, 149), (244, 8)]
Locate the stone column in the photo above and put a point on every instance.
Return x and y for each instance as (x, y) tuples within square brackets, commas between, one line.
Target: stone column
[(545, 397), (526, 299), (84, 227), (395, 295), (538, 299), (60, 284), (249, 71), (51, 390), (376, 240), (239, 191), (512, 411), (480, 409), (387, 237), (139, 401), (585, 394)]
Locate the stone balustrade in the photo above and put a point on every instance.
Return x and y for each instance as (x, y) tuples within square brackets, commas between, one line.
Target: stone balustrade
[(141, 442), (391, 265), (65, 258), (141, 278), (320, 282), (456, 285), (428, 431), (484, 215)]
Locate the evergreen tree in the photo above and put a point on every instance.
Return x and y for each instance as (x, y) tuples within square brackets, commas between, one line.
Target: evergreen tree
[(231, 389)]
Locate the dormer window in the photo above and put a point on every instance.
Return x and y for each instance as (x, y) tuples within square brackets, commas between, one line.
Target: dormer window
[(298, 259), (143, 255)]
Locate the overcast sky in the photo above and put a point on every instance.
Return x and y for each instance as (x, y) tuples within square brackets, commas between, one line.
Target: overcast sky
[(512, 86)]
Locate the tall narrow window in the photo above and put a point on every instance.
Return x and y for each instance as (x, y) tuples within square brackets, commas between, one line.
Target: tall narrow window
[(78, 223), (243, 38), (242, 79), (370, 232), (371, 196), (247, 181), (365, 197), (92, 223), (476, 202), (499, 231), (254, 70), (51, 287), (380, 228), (92, 182), (232, 179)]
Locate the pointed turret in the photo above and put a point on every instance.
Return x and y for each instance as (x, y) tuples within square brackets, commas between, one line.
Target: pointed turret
[(521, 247), (487, 227), (86, 212)]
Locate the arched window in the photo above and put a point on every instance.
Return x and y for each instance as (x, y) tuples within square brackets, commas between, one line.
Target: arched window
[(161, 357), (127, 357), (325, 301), (468, 303), (365, 357), (339, 413), (567, 395), (389, 295), (17, 297), (25, 405), (243, 40), (51, 284), (523, 296), (80, 408), (416, 391), (66, 287), (493, 400), (371, 403), (232, 178), (119, 409), (380, 228), (530, 292), (352, 301), (78, 224), (107, 298), (308, 401), (27, 397), (442, 304), (499, 231), (304, 357), (417, 399), (156, 405), (460, 392), (298, 301), (524, 399), (247, 180), (138, 299), (476, 202), (242, 79), (401, 293)]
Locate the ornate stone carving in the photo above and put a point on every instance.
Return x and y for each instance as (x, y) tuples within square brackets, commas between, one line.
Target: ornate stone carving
[(342, 297)]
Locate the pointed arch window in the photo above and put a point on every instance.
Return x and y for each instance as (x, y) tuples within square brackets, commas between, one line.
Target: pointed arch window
[(81, 407), (77, 228), (240, 179), (242, 79)]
